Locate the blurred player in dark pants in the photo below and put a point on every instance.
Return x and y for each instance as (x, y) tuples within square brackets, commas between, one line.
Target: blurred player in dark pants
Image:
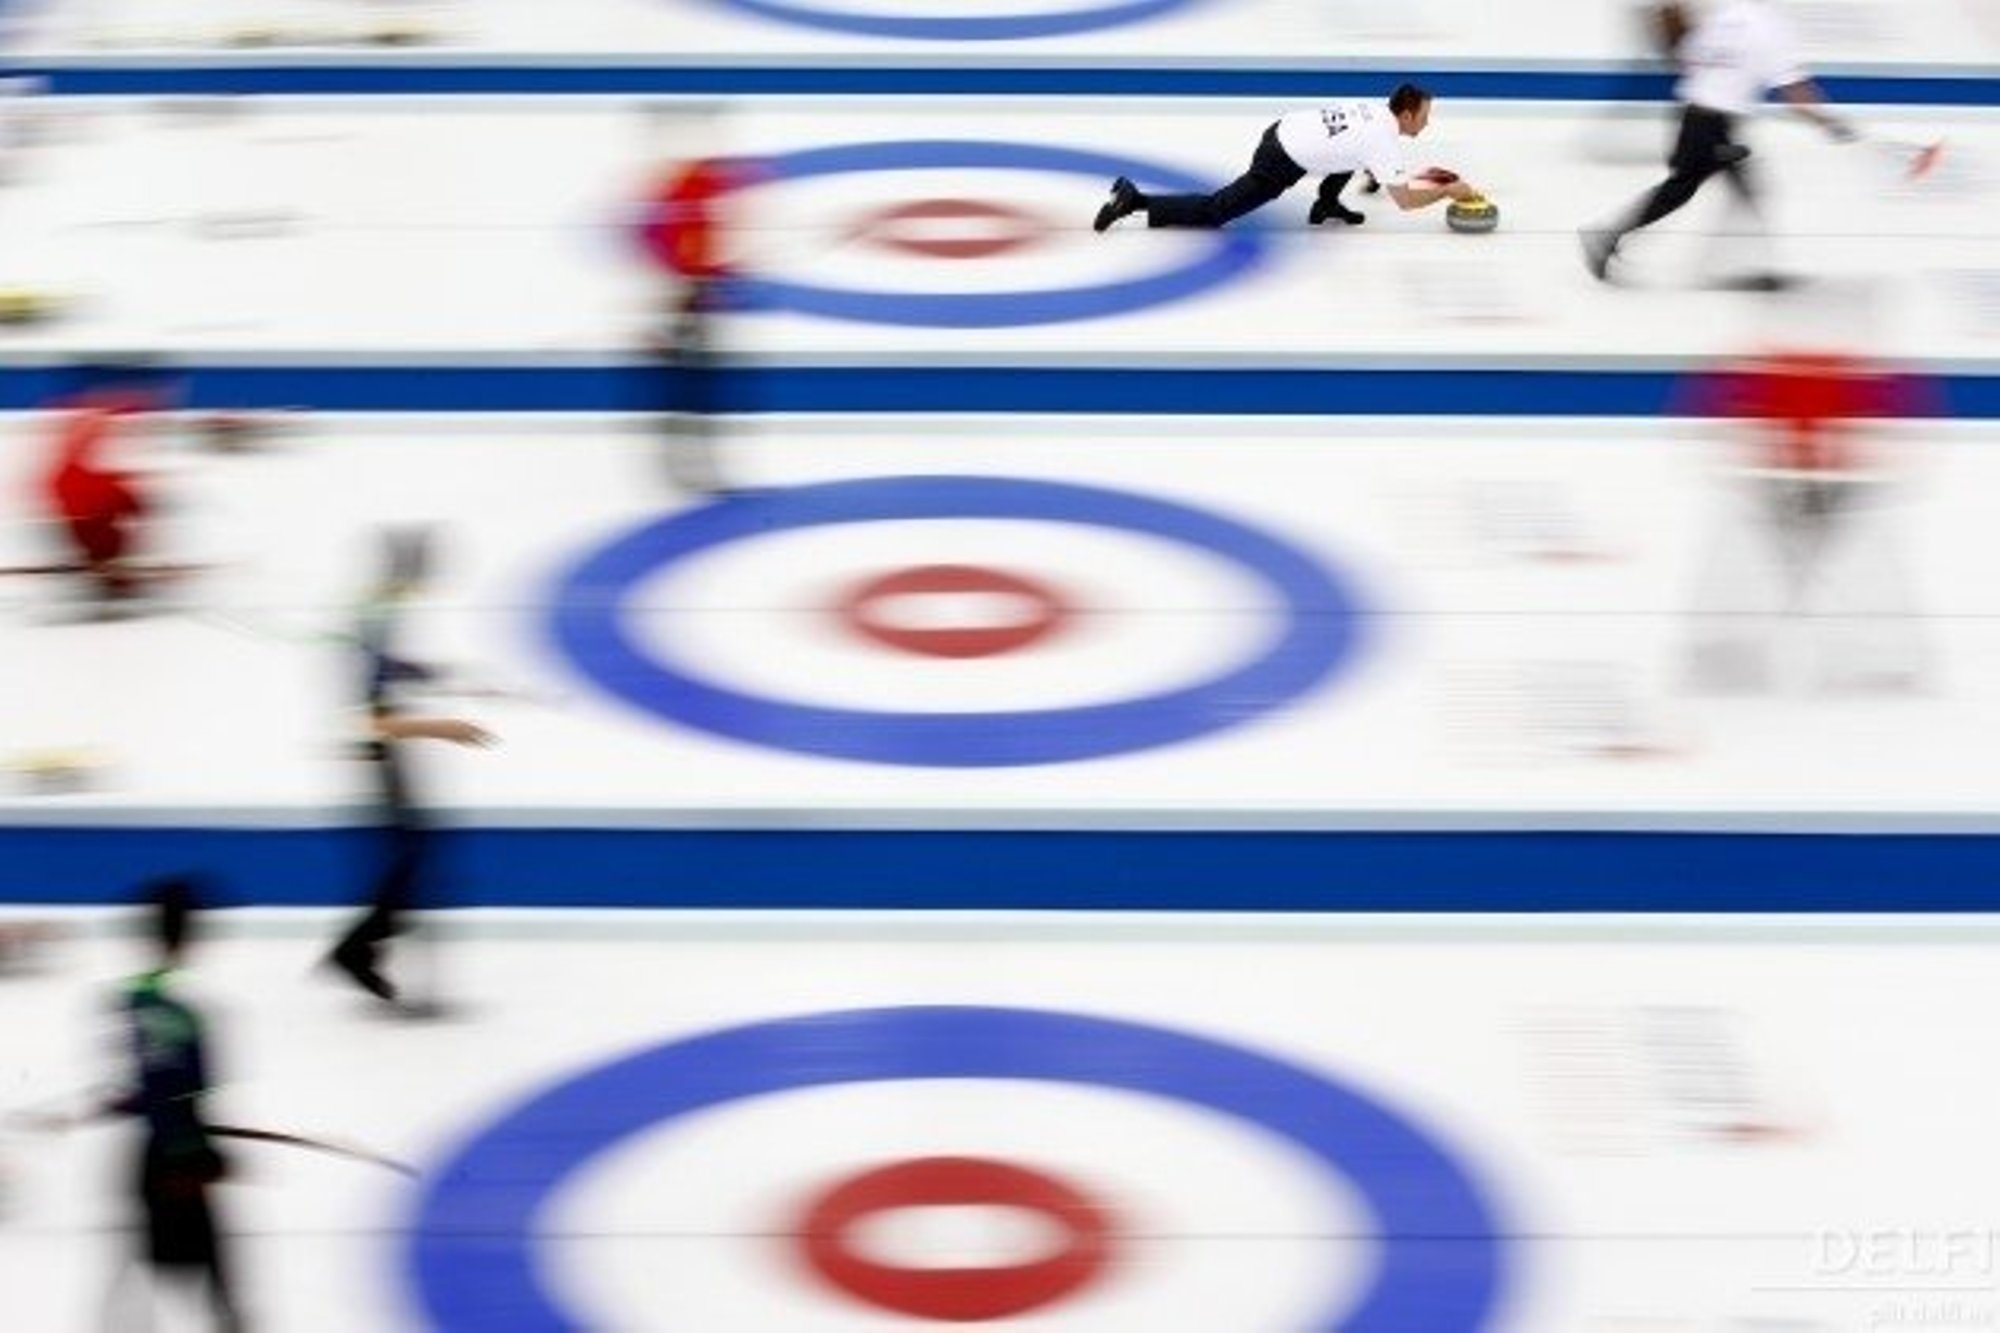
[(685, 235), (1729, 60), (178, 1167), (387, 676)]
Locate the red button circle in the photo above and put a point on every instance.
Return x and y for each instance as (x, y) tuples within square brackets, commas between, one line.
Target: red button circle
[(862, 611), (957, 1295), (989, 229)]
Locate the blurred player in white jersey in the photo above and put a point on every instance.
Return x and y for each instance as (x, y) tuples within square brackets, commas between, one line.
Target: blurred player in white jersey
[(1734, 55)]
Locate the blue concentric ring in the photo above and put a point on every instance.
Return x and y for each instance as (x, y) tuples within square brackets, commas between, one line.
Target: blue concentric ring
[(1439, 1264), (1316, 628), (961, 27)]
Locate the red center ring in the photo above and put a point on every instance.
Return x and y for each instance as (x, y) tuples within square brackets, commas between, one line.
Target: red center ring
[(958, 1295), (860, 611), (991, 229)]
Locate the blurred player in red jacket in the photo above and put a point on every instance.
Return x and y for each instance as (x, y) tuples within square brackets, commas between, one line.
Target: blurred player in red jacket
[(1814, 492), (685, 233), (98, 505)]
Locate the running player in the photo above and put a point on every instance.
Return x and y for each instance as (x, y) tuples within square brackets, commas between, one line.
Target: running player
[(1729, 61), (386, 676)]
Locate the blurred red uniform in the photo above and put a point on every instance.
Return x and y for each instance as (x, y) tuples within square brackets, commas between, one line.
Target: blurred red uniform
[(684, 226), (686, 233), (1810, 400), (98, 505), (1816, 501)]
